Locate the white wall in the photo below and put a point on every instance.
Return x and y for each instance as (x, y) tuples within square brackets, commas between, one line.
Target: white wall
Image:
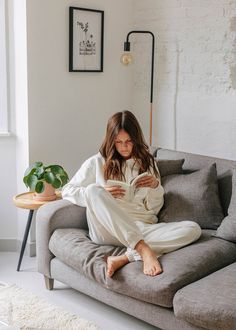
[(8, 215), (14, 149), (68, 111), (10, 157), (21, 108), (195, 83), (56, 116), (195, 76)]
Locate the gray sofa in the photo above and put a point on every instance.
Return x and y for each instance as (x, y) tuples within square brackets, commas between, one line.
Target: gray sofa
[(197, 289)]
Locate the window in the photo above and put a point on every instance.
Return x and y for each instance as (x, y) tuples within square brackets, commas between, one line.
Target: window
[(3, 71)]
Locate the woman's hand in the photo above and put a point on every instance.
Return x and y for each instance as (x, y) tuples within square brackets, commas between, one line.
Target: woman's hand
[(149, 181), (116, 191)]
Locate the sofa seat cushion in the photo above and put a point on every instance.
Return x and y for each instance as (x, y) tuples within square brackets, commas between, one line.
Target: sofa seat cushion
[(181, 267), (210, 302)]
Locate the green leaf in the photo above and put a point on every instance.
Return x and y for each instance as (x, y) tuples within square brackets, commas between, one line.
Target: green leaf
[(56, 183), (49, 177), (32, 168), (64, 180), (39, 187), (67, 177), (38, 164), (56, 169), (32, 181), (39, 171), (36, 174), (25, 178)]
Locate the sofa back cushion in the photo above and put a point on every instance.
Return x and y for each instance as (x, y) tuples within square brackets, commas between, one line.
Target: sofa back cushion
[(193, 197), (194, 162), (170, 166), (227, 229)]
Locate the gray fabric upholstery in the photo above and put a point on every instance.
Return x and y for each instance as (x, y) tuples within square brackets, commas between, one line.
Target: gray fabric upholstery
[(170, 166), (81, 253), (227, 229), (192, 197), (211, 302), (58, 214), (152, 150), (162, 318), (180, 267), (194, 162)]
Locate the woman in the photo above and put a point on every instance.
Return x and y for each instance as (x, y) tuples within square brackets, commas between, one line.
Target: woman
[(114, 220)]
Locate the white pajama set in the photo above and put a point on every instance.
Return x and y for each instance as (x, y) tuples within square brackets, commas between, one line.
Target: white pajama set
[(116, 221)]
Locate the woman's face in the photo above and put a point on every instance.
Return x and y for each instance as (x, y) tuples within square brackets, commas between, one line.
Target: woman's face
[(124, 144)]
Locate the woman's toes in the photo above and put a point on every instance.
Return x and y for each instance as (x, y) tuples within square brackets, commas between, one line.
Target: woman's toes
[(110, 272), (158, 271), (155, 270), (154, 273)]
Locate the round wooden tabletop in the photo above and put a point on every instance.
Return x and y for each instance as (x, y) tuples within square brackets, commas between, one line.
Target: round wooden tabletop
[(26, 200)]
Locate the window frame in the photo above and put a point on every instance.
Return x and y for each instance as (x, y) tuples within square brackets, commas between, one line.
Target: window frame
[(4, 128)]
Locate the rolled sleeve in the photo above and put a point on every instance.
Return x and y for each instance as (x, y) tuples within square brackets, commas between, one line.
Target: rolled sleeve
[(74, 191)]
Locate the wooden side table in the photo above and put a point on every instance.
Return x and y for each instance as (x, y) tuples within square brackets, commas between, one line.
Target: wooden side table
[(26, 201)]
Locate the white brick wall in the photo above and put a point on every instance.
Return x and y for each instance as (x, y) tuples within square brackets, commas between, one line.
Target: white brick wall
[(195, 73)]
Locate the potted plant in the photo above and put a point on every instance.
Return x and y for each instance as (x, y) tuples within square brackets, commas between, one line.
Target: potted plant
[(43, 180)]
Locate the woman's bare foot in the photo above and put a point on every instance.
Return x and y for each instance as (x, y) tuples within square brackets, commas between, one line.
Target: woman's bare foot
[(151, 265), (114, 263)]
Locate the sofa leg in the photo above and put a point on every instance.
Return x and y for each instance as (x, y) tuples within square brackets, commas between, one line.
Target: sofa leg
[(49, 282)]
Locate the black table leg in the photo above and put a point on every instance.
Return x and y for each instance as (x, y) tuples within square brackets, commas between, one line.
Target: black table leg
[(27, 229)]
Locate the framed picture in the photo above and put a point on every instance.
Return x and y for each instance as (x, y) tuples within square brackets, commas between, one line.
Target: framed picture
[(86, 29)]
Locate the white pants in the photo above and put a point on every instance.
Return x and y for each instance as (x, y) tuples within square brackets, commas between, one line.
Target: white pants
[(109, 224)]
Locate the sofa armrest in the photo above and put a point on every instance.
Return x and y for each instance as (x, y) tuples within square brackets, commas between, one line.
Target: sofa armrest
[(53, 215)]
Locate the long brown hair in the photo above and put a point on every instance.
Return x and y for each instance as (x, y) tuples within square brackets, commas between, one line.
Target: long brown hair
[(113, 160)]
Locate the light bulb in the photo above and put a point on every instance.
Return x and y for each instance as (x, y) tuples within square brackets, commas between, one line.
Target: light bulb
[(126, 58)]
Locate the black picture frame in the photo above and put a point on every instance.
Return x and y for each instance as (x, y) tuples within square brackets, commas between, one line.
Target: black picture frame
[(86, 39)]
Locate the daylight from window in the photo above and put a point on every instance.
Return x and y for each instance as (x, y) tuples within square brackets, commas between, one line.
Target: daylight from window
[(3, 72)]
